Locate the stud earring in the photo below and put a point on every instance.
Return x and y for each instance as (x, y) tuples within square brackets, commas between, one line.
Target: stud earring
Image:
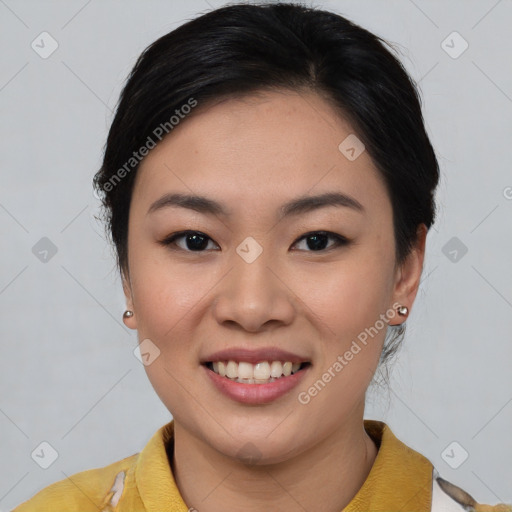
[(127, 314), (402, 310)]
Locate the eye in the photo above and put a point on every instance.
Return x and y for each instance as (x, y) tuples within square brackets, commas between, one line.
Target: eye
[(196, 241), (316, 240)]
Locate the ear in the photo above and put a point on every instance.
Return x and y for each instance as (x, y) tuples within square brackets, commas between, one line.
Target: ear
[(130, 322), (408, 275)]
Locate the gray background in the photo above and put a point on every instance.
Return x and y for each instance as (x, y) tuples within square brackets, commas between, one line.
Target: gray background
[(68, 375)]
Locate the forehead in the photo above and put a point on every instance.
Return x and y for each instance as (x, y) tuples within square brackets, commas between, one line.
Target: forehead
[(260, 148)]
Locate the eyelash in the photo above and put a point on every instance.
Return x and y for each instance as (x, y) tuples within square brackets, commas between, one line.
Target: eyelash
[(339, 240)]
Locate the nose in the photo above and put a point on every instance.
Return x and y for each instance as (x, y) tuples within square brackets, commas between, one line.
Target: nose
[(254, 295)]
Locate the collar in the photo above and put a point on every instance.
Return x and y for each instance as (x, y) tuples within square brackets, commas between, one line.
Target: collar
[(400, 478), (153, 475)]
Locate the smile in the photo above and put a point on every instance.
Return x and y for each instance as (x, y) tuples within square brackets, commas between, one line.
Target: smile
[(263, 372)]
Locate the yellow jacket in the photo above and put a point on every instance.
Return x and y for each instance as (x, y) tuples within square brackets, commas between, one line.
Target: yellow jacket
[(401, 479)]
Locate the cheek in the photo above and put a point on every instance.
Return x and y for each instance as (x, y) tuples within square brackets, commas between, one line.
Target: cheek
[(350, 305), (163, 293), (166, 298), (351, 294)]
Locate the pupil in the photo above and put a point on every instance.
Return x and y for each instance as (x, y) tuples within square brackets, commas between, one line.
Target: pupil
[(199, 242), (316, 243)]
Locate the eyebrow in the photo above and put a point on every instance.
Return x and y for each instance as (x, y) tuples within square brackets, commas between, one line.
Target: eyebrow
[(294, 207)]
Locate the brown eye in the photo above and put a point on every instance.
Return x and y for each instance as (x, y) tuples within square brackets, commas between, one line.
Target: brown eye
[(317, 241), (195, 241)]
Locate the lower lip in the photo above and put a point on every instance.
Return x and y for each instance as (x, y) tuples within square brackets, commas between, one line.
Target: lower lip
[(256, 393)]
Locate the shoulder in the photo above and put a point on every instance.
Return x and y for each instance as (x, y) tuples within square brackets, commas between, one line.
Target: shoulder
[(448, 497), (401, 475), (89, 490)]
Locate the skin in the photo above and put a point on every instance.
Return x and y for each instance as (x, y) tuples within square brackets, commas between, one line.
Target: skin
[(252, 155)]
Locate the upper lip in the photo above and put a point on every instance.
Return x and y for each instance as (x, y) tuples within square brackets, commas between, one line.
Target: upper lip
[(254, 355)]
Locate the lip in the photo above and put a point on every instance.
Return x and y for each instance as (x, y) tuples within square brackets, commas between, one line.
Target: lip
[(256, 393), (254, 356)]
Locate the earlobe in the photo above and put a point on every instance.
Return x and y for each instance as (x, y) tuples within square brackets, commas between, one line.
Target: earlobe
[(129, 314), (409, 276), (129, 319)]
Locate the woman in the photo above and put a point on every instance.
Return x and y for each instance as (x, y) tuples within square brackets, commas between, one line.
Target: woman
[(268, 185)]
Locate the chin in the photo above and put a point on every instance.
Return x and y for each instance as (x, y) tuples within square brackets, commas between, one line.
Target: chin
[(263, 454), (259, 449)]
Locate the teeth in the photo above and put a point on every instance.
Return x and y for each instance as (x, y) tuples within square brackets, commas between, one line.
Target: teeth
[(232, 370), (276, 369), (245, 371), (260, 373)]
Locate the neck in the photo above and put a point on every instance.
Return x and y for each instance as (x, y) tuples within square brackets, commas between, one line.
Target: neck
[(326, 477)]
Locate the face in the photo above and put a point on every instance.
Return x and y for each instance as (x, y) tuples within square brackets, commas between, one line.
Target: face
[(254, 281)]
